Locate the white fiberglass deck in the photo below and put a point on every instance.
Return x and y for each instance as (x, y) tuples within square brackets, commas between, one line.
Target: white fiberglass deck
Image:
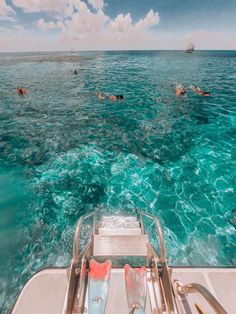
[(45, 292)]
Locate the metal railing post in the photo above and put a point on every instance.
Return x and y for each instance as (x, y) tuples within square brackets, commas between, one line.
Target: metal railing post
[(195, 287), (158, 230), (74, 275), (77, 235)]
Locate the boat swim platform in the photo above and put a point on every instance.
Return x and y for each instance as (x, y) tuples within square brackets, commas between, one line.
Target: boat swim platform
[(45, 291), (119, 271)]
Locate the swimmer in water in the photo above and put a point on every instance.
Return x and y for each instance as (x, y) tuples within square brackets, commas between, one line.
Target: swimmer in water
[(102, 96), (180, 91), (199, 91), (117, 97), (20, 91)]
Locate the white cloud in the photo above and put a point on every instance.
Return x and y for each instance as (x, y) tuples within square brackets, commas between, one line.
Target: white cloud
[(97, 4), (121, 23), (80, 5), (68, 10), (86, 26), (151, 19), (49, 25), (6, 12), (95, 29), (40, 5)]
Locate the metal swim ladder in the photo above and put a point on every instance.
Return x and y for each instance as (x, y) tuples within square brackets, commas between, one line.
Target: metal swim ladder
[(122, 238)]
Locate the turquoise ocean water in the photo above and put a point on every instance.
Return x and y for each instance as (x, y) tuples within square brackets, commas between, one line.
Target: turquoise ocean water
[(63, 152)]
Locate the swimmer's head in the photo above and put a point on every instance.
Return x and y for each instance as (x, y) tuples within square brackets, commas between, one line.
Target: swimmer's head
[(119, 97)]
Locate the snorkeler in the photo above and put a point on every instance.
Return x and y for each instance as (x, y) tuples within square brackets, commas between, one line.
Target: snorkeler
[(102, 96), (199, 91), (21, 91), (117, 97), (180, 91)]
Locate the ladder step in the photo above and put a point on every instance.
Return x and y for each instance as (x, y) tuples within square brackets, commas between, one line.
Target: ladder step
[(119, 231), (105, 245), (127, 218), (119, 222), (116, 225)]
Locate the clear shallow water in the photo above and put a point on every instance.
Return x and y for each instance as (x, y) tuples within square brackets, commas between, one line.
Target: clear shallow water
[(63, 152)]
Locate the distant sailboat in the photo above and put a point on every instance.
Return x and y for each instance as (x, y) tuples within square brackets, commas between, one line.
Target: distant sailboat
[(190, 48)]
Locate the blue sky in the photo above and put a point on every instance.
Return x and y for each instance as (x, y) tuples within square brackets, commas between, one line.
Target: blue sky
[(32, 25)]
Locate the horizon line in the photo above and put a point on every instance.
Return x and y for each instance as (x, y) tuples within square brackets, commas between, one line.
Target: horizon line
[(112, 50)]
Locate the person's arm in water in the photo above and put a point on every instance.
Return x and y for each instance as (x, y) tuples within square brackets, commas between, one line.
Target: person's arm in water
[(196, 90), (101, 96), (193, 88)]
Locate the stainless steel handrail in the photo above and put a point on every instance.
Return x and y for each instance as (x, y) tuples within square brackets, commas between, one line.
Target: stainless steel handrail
[(95, 222), (195, 287), (76, 258), (165, 281), (77, 235), (159, 232)]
